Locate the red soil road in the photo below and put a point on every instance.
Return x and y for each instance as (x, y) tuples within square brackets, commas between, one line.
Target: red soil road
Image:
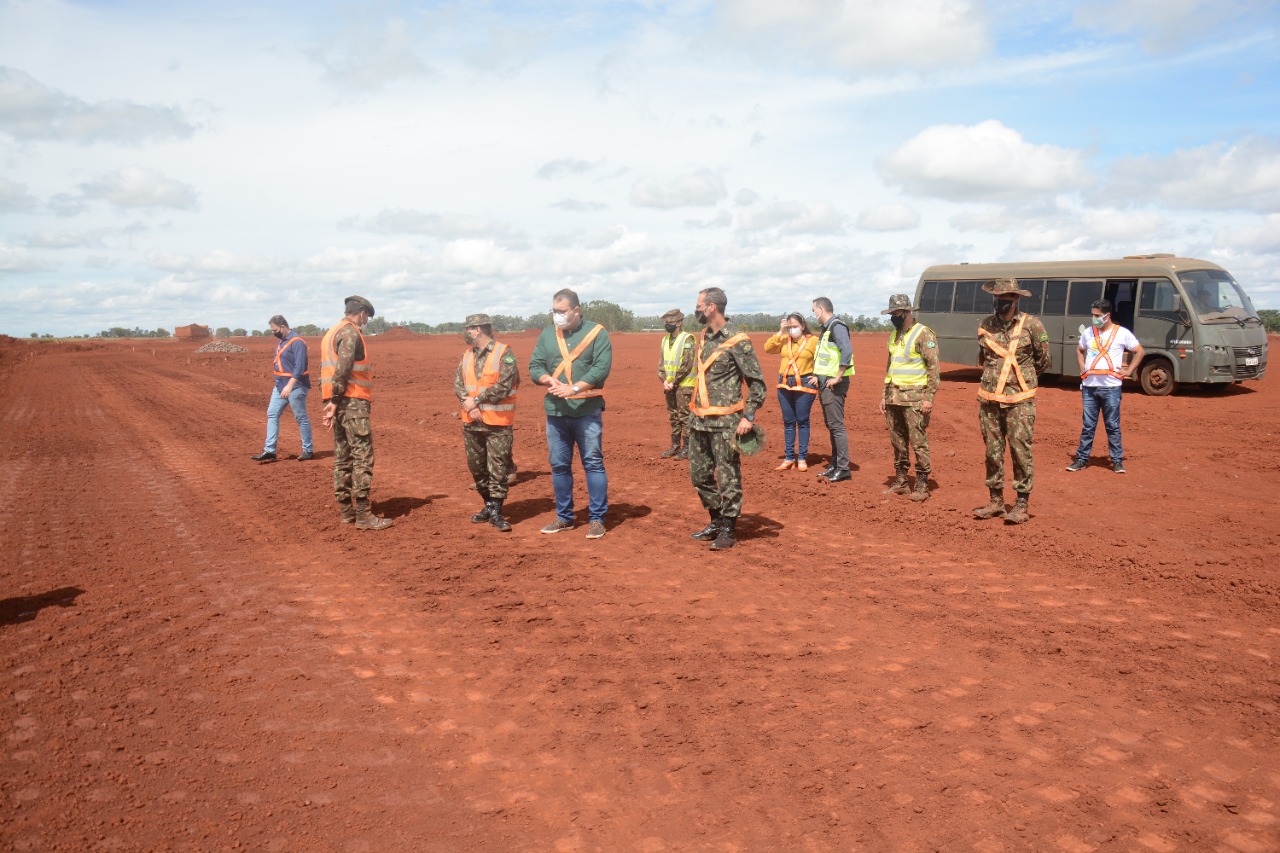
[(196, 656)]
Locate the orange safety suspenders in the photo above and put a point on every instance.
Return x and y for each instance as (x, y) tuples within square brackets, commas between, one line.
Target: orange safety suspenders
[(279, 368), (791, 351), (566, 361), (1010, 363), (1104, 354), (699, 405)]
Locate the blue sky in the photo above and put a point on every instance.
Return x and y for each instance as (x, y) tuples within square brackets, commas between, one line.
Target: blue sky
[(169, 163)]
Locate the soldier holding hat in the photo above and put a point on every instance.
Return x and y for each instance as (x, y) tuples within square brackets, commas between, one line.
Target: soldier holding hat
[(1013, 349), (675, 370), (486, 384), (346, 380), (720, 416), (910, 383)]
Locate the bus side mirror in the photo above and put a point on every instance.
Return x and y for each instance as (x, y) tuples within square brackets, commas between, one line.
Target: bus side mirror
[(1176, 307)]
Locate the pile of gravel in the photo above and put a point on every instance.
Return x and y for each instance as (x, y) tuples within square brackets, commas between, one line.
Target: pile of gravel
[(221, 346)]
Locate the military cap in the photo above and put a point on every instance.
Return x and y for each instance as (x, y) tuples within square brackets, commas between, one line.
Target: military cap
[(1003, 287), (356, 304), (750, 442), (898, 302), (675, 315), (478, 320)]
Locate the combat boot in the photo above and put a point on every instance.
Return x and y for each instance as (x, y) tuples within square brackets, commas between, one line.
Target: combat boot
[(921, 492), (485, 514), (366, 520), (1019, 514), (994, 508), (670, 451), (346, 512), (711, 531), (726, 539), (496, 518), (899, 485), (683, 453)]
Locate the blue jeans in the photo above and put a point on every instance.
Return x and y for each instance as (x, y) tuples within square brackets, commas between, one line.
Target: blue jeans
[(587, 432), (298, 402), (795, 407), (1106, 400)]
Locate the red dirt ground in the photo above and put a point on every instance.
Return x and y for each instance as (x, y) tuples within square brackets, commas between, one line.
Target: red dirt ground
[(196, 656)]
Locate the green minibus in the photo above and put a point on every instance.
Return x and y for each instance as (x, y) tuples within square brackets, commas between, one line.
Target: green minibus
[(1192, 318)]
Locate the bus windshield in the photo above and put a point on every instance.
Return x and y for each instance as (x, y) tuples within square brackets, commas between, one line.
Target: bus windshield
[(1216, 298)]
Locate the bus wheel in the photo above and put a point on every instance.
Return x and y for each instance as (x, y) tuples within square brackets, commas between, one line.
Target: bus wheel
[(1157, 377)]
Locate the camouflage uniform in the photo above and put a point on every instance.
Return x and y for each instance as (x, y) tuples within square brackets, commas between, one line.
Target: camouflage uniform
[(488, 447), (714, 465), (352, 432), (1011, 424), (907, 424), (678, 397)]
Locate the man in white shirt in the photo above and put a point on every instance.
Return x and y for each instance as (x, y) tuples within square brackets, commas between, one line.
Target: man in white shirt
[(1102, 372)]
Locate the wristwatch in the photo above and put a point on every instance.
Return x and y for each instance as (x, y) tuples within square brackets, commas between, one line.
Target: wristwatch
[(575, 388)]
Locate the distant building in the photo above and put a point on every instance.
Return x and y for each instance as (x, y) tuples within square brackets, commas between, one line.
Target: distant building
[(195, 330)]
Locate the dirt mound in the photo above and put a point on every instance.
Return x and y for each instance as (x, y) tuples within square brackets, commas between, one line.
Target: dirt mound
[(220, 346)]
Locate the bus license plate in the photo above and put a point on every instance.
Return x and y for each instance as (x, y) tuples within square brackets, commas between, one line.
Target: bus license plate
[(1251, 361)]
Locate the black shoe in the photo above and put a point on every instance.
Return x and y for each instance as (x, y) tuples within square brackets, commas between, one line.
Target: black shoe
[(1077, 465), (670, 451), (726, 538), (838, 477), (708, 533), (826, 472), (306, 457), (683, 453), (483, 515), (496, 519), (264, 457)]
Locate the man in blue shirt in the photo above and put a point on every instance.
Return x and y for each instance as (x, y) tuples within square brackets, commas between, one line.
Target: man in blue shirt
[(292, 383)]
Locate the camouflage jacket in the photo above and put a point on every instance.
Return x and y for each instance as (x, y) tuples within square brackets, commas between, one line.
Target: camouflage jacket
[(349, 345), (926, 346), (1032, 352), (724, 380), (508, 376)]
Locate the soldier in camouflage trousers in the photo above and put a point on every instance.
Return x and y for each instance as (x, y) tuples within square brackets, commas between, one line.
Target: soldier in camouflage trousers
[(346, 380), (718, 413), (910, 384), (486, 384), (1013, 349)]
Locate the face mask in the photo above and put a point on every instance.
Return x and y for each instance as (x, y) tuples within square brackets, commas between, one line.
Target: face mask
[(1003, 305), (796, 331), (1099, 322), (700, 316), (279, 335), (466, 337), (561, 320), (671, 327), (898, 321)]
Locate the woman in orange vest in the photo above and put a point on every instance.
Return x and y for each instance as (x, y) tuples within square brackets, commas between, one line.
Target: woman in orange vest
[(797, 386)]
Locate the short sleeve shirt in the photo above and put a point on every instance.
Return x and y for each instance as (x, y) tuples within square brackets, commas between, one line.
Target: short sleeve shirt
[(1124, 341)]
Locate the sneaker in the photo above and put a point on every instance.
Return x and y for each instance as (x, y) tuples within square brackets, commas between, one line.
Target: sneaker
[(1077, 465), (558, 525), (306, 456), (1118, 467), (595, 530)]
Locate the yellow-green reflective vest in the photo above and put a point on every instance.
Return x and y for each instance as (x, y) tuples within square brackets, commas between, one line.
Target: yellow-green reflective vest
[(906, 366), (826, 358), (672, 355)]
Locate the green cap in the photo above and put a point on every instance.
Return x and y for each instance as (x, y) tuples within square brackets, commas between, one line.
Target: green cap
[(751, 442)]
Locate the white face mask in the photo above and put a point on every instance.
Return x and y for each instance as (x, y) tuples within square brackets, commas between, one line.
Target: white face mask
[(561, 320), (796, 331)]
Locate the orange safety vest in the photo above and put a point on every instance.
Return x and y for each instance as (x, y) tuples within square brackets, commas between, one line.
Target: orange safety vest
[(566, 362), (501, 413), (1010, 363), (360, 384), (700, 404), (1104, 354), (791, 355), (280, 348)]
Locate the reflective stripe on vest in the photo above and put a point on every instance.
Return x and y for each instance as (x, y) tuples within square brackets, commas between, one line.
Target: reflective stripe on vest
[(566, 362), (1010, 363), (1104, 354), (360, 383), (826, 360), (791, 350), (501, 413), (699, 405), (671, 358), (906, 367), (280, 348)]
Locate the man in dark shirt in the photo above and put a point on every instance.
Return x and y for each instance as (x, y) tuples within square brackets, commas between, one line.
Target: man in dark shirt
[(292, 382)]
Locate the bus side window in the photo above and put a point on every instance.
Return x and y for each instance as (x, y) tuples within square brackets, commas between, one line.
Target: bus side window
[(1055, 297), (936, 296), (1083, 295), (1031, 304), (965, 296), (1158, 297)]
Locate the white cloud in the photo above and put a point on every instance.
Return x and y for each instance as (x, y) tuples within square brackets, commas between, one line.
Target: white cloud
[(564, 168), (30, 110), (1167, 24), (1218, 176), (793, 217), (218, 263), (141, 187), (722, 219), (1262, 238), (745, 197), (408, 221), (64, 239), (889, 217), (864, 36), (983, 162), (370, 53), (14, 197), (703, 188), (14, 260), (573, 205)]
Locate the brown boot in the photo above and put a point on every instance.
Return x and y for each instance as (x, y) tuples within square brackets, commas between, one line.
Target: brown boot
[(346, 512), (1019, 514), (366, 520), (921, 492), (993, 509), (899, 485)]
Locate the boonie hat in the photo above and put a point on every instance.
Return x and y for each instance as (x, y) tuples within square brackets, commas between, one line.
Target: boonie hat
[(359, 303), (751, 442), (478, 320), (1003, 286), (675, 315), (898, 302)]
